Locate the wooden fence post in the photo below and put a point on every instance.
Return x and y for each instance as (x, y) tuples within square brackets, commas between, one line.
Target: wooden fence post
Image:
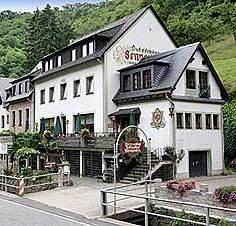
[(21, 186)]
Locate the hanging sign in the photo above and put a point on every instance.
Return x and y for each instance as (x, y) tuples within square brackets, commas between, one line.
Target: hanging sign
[(132, 147), (130, 54)]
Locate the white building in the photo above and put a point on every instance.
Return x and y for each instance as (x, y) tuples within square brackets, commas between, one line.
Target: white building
[(97, 77)]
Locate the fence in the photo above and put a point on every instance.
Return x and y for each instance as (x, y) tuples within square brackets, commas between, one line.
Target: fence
[(23, 185), (144, 195)]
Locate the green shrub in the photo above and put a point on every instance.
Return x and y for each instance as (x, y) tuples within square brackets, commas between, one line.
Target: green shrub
[(224, 222), (26, 172), (226, 194)]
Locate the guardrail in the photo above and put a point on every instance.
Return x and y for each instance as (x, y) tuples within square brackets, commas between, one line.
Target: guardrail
[(146, 197), (22, 185)]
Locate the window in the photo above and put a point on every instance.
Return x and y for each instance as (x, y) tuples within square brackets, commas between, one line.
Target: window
[(51, 64), (126, 83), (13, 118), (59, 61), (190, 79), (49, 124), (89, 85), (46, 66), (216, 122), (27, 114), (180, 124), (7, 119), (20, 88), (91, 50), (26, 86), (3, 121), (87, 121), (63, 91), (51, 94), (208, 121), (20, 117), (203, 84), (77, 88), (84, 50), (73, 55), (188, 121), (137, 81), (42, 96), (198, 120), (147, 79), (14, 90)]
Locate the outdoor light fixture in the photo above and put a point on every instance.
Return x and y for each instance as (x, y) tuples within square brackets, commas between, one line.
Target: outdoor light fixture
[(171, 110)]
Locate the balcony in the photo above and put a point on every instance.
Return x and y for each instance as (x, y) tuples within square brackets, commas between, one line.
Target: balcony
[(98, 140)]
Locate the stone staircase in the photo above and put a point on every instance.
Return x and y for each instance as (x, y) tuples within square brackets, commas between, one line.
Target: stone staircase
[(140, 170)]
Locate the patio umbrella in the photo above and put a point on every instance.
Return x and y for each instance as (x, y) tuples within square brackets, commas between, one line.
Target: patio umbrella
[(78, 123), (132, 119), (57, 128), (42, 125)]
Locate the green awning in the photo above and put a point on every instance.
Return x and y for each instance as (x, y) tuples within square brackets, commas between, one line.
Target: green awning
[(57, 128), (42, 125), (78, 124)]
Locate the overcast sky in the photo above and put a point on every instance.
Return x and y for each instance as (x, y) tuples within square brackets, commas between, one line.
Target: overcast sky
[(31, 5)]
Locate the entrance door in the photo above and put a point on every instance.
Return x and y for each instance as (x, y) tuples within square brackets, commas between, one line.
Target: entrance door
[(197, 163), (92, 163), (73, 157), (124, 121)]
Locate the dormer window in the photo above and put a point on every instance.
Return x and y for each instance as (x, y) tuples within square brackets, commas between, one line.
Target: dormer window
[(51, 64), (73, 55), (46, 66), (59, 61), (137, 80), (20, 88), (84, 50), (26, 86), (14, 90), (126, 83), (190, 79), (91, 48), (147, 79)]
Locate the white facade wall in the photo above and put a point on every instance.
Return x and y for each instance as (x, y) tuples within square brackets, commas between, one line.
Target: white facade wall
[(148, 33), (84, 104), (198, 66), (5, 113), (210, 140), (161, 137)]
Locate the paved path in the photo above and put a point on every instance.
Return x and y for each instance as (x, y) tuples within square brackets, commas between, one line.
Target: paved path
[(216, 181), (20, 211)]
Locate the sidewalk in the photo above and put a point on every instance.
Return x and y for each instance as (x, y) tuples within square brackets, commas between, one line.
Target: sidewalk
[(214, 182)]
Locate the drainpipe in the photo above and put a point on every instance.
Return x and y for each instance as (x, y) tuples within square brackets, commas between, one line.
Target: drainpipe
[(222, 137)]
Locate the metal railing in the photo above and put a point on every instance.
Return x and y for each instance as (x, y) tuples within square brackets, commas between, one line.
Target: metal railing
[(147, 197), (23, 185)]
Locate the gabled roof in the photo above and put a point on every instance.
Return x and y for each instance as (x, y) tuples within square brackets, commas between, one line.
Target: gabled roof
[(29, 75), (114, 31), (170, 66), (4, 84)]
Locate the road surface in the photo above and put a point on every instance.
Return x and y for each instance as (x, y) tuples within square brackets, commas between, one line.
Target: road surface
[(23, 212)]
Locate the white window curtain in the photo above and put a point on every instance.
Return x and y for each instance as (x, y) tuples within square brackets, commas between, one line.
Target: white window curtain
[(59, 61), (91, 50), (84, 50), (51, 64), (46, 66), (92, 86), (73, 55)]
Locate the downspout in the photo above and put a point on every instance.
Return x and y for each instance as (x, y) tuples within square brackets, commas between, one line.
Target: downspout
[(172, 115), (222, 137)]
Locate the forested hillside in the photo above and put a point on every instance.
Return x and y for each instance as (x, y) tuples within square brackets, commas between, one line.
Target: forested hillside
[(26, 37)]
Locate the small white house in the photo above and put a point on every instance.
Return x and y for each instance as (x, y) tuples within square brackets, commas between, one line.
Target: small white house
[(134, 65)]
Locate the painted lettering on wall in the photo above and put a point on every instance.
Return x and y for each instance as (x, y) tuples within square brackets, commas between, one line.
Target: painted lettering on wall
[(131, 54)]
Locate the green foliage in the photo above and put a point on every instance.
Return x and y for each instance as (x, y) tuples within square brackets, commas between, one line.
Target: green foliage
[(224, 222), (230, 130), (226, 194), (25, 152), (26, 172)]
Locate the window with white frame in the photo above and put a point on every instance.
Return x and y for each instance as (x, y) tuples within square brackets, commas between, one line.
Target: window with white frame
[(59, 61), (188, 121), (89, 85), (84, 50), (51, 94), (208, 121), (77, 88), (73, 55), (63, 91), (216, 124), (190, 79), (198, 121), (91, 48), (180, 120), (51, 64)]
